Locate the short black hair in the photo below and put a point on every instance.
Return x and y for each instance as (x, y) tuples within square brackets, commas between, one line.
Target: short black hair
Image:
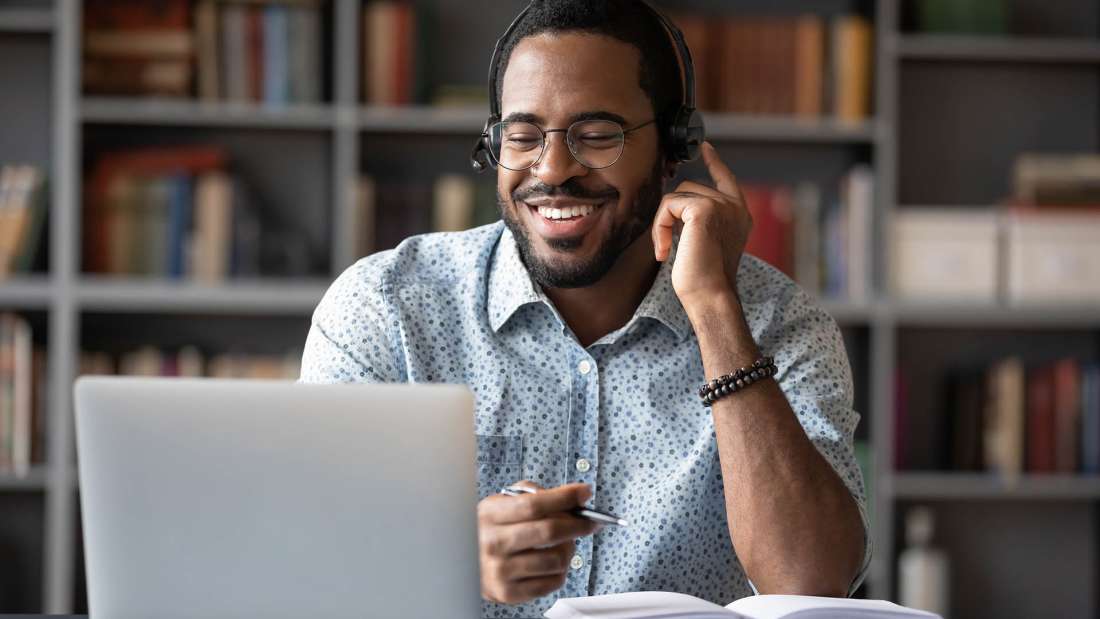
[(629, 21)]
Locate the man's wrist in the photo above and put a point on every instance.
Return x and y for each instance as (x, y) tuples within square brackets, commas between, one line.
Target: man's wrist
[(719, 308)]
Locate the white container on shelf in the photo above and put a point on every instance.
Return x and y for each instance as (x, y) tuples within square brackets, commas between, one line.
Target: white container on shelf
[(1053, 257), (945, 254)]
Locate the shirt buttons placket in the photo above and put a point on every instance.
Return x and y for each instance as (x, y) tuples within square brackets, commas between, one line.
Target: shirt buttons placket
[(584, 367), (583, 465), (577, 562)]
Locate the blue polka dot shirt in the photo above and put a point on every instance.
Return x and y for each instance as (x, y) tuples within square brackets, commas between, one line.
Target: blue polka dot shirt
[(622, 415)]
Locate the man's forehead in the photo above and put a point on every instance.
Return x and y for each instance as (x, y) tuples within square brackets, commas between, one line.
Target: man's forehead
[(571, 73)]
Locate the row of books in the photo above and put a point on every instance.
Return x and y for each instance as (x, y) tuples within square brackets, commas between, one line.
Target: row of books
[(179, 213), (822, 239), (191, 362), (22, 396), (254, 51), (806, 65), (23, 210), (389, 210), (1013, 418)]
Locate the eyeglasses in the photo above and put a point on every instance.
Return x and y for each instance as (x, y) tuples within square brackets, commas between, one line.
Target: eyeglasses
[(595, 144)]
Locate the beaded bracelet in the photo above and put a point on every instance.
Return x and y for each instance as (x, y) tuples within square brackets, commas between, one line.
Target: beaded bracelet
[(726, 384)]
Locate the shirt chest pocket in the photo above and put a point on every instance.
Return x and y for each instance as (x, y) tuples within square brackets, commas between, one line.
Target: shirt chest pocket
[(499, 462)]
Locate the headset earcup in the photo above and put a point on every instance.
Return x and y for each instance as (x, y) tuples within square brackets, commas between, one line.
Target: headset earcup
[(688, 134)]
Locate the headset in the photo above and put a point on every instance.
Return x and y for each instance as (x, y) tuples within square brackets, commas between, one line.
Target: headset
[(686, 132)]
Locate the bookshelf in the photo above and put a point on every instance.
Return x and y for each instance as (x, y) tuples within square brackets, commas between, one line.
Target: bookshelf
[(312, 155)]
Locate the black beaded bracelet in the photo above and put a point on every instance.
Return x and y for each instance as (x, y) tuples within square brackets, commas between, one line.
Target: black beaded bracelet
[(726, 384)]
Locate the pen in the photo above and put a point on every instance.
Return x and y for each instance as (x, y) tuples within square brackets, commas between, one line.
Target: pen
[(580, 512)]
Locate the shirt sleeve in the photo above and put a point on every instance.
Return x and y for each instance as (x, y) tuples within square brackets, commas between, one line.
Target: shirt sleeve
[(349, 339), (815, 376)]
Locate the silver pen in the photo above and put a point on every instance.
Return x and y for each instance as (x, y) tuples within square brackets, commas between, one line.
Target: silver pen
[(580, 512)]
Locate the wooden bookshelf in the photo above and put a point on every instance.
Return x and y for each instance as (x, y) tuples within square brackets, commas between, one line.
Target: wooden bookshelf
[(903, 142)]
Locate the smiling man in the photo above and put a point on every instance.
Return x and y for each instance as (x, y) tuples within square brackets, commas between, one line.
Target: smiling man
[(585, 324)]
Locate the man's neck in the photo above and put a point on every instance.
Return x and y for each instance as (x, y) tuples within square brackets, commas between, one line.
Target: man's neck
[(594, 311)]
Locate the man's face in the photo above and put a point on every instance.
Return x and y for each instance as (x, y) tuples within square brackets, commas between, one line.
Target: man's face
[(552, 80)]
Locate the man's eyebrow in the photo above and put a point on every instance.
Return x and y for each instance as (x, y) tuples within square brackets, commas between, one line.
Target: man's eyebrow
[(528, 117)]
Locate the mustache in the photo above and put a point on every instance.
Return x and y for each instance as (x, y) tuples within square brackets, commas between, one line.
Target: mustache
[(570, 189)]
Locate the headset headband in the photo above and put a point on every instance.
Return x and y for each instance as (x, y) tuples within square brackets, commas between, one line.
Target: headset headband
[(687, 69)]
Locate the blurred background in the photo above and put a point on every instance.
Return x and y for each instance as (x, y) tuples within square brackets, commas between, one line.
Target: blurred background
[(182, 179)]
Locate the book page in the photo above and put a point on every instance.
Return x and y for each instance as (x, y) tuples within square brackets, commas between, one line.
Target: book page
[(810, 607), (638, 605)]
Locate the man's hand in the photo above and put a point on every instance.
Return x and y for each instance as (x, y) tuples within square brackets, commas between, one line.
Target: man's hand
[(716, 225), (525, 542)]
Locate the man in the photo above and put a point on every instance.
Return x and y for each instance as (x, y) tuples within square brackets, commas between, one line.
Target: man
[(585, 334)]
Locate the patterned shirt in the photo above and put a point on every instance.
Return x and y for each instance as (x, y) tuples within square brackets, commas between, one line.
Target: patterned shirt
[(622, 414)]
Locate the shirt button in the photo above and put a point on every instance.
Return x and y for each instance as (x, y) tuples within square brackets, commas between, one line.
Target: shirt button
[(577, 562), (583, 465), (584, 367)]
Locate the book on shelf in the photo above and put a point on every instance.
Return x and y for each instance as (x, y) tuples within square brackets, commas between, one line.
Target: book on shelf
[(133, 47), (180, 213), (1057, 181), (826, 248), (1013, 417), (395, 40), (23, 211), (22, 397), (667, 605), (260, 51), (805, 66), (388, 211), (191, 362)]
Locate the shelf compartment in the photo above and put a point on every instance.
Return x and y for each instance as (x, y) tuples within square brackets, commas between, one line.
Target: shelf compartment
[(233, 297), (913, 314), (26, 19), (35, 479), (997, 49), (983, 486), (185, 112), (32, 293)]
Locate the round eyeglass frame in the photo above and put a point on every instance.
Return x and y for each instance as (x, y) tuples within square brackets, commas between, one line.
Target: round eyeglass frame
[(544, 132)]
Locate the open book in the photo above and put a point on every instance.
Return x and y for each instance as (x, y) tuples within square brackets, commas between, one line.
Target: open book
[(660, 605)]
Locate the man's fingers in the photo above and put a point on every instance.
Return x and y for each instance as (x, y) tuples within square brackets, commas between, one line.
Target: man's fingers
[(528, 507), (723, 178), (544, 562), (508, 539)]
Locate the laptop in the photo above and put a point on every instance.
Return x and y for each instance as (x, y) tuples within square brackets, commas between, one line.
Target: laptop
[(245, 498)]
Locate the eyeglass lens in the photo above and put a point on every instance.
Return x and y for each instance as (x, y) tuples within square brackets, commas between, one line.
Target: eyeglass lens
[(594, 143)]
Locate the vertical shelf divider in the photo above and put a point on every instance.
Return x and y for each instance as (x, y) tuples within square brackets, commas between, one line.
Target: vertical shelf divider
[(60, 543), (345, 159)]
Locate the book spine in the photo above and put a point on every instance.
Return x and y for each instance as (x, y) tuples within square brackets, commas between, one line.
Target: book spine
[(276, 62)]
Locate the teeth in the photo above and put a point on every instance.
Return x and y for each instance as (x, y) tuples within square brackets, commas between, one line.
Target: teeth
[(565, 213)]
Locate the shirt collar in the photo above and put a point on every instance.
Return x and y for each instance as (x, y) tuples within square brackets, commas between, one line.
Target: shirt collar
[(661, 302), (511, 287)]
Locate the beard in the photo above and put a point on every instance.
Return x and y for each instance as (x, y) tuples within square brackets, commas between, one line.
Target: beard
[(553, 273)]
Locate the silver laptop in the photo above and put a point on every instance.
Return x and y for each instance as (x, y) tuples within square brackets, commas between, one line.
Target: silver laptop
[(233, 498)]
